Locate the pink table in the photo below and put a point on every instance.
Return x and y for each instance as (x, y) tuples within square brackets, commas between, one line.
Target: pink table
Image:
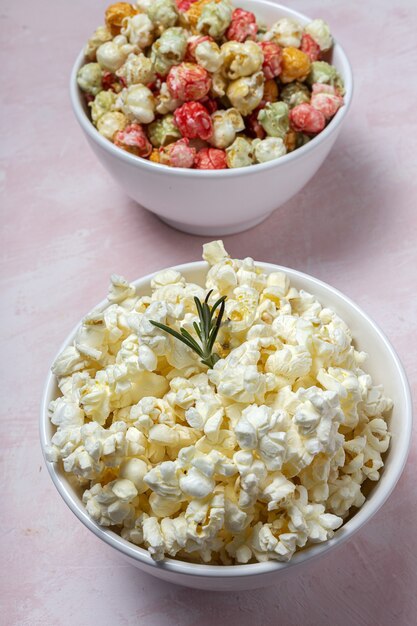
[(67, 227)]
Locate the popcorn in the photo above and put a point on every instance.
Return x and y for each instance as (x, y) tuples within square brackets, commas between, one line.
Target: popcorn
[(243, 26), (163, 131), (306, 118), (215, 18), (136, 69), (261, 455), (241, 59), (161, 55), (210, 159), (226, 124), (274, 119), (102, 103), (188, 81), (163, 13), (137, 103), (133, 139), (295, 65), (268, 149), (89, 78), (194, 121), (168, 50), (138, 30), (116, 14), (319, 31), (285, 32), (246, 93)]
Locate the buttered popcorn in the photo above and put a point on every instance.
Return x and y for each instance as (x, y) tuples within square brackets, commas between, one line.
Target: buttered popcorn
[(264, 453), (241, 83)]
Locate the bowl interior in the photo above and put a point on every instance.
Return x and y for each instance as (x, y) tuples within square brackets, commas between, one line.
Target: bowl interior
[(384, 366)]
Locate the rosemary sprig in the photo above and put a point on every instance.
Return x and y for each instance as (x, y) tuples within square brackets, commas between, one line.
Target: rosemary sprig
[(206, 329)]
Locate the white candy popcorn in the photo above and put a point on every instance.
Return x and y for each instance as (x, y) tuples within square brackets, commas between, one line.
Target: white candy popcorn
[(252, 456), (138, 30), (208, 55), (137, 69), (226, 124), (268, 149), (109, 123), (320, 32), (111, 56), (246, 93), (241, 59), (137, 103), (285, 32), (100, 36)]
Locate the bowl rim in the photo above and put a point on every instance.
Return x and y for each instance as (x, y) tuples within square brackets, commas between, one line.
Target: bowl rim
[(150, 166), (172, 565)]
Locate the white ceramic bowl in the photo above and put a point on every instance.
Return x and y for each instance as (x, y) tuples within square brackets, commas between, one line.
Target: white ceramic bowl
[(217, 202), (383, 364)]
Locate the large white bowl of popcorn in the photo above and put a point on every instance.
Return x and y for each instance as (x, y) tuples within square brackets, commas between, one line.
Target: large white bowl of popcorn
[(202, 170), (221, 470)]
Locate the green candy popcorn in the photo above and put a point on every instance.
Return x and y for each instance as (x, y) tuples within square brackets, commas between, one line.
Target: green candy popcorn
[(295, 93), (163, 131), (240, 153), (89, 78), (215, 18), (274, 119), (169, 50), (102, 103), (326, 74), (163, 13)]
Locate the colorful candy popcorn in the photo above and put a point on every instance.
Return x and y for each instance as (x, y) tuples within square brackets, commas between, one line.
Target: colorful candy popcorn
[(325, 98), (271, 65), (116, 13), (137, 103), (240, 153), (268, 149), (169, 50), (194, 121), (178, 81), (89, 78), (210, 159), (274, 119), (188, 81), (178, 154), (246, 93), (305, 118), (310, 47), (241, 59), (320, 33), (163, 131), (163, 13), (295, 65), (295, 93), (102, 103), (134, 140), (243, 26), (226, 124), (285, 32)]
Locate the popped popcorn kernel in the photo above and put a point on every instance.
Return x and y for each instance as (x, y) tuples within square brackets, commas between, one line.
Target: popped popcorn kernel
[(116, 13)]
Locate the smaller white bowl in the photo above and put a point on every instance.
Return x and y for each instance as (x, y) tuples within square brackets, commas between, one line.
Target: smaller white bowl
[(385, 368), (218, 202)]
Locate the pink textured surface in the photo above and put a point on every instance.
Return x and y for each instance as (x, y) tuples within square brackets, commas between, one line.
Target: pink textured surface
[(66, 227)]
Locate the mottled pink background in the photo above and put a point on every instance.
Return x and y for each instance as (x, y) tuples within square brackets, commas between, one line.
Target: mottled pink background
[(66, 227)]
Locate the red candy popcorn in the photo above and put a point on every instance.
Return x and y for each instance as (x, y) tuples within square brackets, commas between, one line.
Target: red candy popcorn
[(110, 82), (194, 121), (271, 66), (326, 99), (133, 139), (304, 118), (210, 159), (310, 47), (188, 81), (192, 44), (242, 27), (178, 154)]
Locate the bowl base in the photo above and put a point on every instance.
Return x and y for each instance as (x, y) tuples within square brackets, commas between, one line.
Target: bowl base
[(214, 231)]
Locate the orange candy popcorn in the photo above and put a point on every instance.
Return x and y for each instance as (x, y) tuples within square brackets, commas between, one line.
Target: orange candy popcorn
[(295, 65), (116, 13)]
